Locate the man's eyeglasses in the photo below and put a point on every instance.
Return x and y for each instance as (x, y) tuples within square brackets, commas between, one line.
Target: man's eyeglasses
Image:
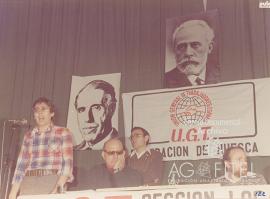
[(114, 152), (42, 109), (136, 136)]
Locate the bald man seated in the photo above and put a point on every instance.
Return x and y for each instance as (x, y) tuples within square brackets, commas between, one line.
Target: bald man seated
[(114, 172), (236, 169)]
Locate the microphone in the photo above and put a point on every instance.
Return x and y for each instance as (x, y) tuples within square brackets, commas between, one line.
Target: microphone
[(19, 122)]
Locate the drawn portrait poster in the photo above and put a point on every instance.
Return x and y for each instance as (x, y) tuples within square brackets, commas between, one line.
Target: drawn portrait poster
[(93, 110)]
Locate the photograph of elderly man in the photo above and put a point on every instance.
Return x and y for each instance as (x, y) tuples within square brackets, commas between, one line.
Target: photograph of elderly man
[(191, 43)]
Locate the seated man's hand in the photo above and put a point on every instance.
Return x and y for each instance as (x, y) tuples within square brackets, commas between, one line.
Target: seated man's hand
[(120, 164)]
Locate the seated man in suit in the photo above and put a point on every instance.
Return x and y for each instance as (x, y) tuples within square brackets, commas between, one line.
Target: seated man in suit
[(236, 169), (114, 172), (192, 43)]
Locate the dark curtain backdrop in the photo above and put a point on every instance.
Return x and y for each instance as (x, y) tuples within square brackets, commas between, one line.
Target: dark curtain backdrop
[(44, 42)]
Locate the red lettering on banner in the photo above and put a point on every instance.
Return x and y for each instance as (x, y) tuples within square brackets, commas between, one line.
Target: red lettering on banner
[(190, 107), (173, 137), (191, 135), (174, 104), (204, 132)]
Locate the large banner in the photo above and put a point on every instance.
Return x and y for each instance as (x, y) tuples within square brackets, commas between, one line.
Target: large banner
[(182, 192), (201, 122), (93, 110)]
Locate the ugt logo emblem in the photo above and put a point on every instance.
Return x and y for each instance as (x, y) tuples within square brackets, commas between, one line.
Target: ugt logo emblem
[(190, 108)]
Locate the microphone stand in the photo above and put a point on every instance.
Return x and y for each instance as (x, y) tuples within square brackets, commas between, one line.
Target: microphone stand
[(11, 156), (2, 152)]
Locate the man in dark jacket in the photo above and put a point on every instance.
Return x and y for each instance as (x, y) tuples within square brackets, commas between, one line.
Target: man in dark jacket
[(143, 159), (114, 173)]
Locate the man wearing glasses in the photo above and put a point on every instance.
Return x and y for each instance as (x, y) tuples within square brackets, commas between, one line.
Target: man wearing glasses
[(45, 161), (143, 159), (114, 172)]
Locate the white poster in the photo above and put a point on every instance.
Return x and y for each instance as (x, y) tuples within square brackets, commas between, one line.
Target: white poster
[(93, 110), (201, 122), (201, 191)]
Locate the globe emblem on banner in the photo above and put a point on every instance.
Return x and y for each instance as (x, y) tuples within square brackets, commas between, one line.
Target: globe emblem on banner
[(191, 110), (190, 107)]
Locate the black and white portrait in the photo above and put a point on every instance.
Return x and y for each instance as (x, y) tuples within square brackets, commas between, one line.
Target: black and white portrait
[(191, 53), (94, 106)]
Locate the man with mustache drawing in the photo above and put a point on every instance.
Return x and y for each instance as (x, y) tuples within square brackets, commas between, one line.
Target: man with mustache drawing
[(95, 105), (192, 43)]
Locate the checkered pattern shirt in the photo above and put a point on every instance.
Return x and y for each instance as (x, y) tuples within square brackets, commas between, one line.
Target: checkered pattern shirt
[(50, 150)]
